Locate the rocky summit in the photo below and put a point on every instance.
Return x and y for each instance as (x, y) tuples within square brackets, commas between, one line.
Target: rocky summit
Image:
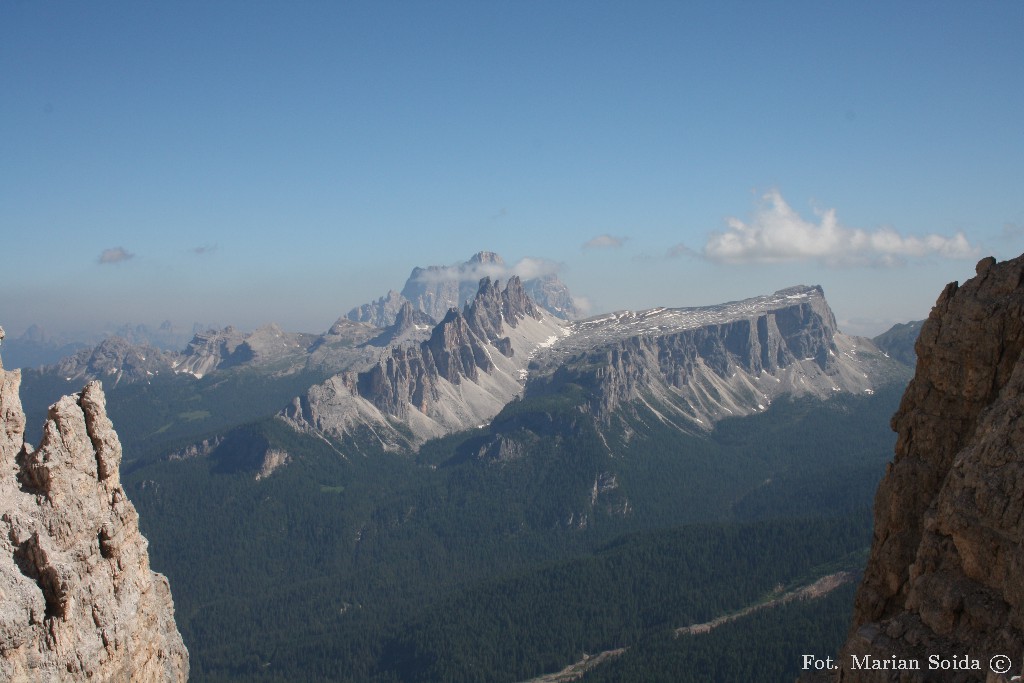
[(472, 364), (78, 600), (943, 584), (695, 366)]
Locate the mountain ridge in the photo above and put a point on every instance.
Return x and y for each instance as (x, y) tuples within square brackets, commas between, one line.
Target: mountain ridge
[(450, 381), (707, 363), (412, 381), (688, 367)]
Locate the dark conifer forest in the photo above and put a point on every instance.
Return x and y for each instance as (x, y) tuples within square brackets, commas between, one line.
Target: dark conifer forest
[(447, 566)]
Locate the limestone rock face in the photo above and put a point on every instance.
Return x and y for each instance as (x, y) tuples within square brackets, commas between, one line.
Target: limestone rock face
[(696, 366), (944, 576), (551, 294), (78, 600), (435, 289)]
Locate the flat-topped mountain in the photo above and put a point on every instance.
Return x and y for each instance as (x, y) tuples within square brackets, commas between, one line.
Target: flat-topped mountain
[(695, 366)]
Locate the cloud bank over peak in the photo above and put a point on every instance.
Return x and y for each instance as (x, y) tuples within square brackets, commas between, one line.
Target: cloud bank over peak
[(473, 271), (776, 233)]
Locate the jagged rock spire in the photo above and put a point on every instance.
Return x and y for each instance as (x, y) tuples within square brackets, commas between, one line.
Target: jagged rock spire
[(79, 599)]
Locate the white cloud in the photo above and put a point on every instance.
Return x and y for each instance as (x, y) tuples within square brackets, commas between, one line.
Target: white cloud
[(114, 255), (462, 273), (529, 268), (777, 233), (604, 242), (583, 305)]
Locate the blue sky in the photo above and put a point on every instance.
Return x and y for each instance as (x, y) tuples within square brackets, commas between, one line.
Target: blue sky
[(246, 162)]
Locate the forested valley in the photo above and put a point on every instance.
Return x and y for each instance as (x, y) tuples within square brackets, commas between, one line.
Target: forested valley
[(355, 564)]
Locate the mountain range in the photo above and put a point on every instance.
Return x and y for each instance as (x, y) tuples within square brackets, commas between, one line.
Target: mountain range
[(36, 348), (412, 482), (415, 380)]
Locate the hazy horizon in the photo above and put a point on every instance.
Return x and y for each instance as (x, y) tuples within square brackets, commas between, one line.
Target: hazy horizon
[(182, 325), (240, 163)]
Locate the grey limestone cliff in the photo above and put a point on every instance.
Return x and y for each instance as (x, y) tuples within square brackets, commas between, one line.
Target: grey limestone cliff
[(78, 600), (436, 289), (695, 366), (690, 366)]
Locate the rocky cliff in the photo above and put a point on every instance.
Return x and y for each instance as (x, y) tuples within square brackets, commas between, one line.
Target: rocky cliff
[(690, 366), (695, 366), (943, 578), (78, 600)]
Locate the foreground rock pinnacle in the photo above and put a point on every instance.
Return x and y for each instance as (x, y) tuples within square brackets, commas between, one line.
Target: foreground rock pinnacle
[(944, 576), (78, 600)]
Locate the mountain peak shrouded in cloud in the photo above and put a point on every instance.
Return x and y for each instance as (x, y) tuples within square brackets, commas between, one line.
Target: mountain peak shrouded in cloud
[(485, 264), (776, 233), (604, 241), (435, 289), (114, 255)]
